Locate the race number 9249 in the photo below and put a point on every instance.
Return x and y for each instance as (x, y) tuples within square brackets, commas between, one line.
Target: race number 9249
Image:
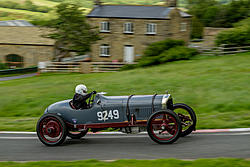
[(106, 115)]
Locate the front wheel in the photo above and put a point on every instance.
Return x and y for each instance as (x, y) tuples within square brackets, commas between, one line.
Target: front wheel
[(51, 130), (164, 127), (187, 117)]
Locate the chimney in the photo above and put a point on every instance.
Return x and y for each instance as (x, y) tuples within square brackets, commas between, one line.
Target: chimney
[(171, 3), (97, 3)]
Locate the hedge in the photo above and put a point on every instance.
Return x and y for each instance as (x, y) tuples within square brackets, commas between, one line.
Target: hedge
[(19, 70)]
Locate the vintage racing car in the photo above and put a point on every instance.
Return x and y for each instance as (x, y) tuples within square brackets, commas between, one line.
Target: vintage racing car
[(130, 114)]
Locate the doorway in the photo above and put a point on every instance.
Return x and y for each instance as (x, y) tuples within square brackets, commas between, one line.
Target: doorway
[(128, 54)]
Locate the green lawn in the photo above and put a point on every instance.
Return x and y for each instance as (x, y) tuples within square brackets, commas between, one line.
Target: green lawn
[(15, 14), (216, 87), (37, 2), (221, 162), (19, 11)]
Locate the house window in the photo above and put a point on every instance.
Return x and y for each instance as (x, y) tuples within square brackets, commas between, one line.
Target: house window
[(183, 27), (105, 27), (128, 28), (151, 28), (105, 50)]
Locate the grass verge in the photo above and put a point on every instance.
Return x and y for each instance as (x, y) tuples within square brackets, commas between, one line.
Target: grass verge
[(18, 123), (221, 162), (216, 87)]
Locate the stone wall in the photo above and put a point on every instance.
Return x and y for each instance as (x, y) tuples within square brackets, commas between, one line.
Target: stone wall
[(210, 34), (31, 54)]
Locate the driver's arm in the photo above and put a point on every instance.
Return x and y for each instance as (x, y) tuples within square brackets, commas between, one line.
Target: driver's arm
[(89, 94)]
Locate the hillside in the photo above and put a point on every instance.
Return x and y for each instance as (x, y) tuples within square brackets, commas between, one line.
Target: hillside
[(10, 12), (216, 87)]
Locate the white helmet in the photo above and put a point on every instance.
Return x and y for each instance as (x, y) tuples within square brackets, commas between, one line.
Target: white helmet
[(81, 89)]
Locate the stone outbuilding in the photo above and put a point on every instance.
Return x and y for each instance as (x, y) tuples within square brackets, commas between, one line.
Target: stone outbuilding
[(126, 30), (21, 44)]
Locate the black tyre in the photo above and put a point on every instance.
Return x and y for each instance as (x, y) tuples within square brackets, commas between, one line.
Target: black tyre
[(51, 130), (187, 117), (77, 134), (164, 127)]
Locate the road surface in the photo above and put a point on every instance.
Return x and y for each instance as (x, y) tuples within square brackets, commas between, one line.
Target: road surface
[(17, 77), (27, 147)]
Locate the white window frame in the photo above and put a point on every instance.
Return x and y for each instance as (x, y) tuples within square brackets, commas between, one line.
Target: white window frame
[(151, 28), (183, 27), (129, 28), (105, 26), (104, 50)]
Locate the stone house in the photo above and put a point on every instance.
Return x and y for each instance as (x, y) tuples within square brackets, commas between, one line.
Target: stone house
[(21, 44), (126, 30)]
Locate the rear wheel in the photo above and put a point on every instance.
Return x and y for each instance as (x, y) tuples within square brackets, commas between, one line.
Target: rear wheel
[(77, 134), (51, 130), (164, 127), (187, 117)]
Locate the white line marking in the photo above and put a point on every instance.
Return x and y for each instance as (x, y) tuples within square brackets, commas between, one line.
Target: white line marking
[(13, 132), (226, 134), (197, 131), (19, 138), (128, 136), (240, 130)]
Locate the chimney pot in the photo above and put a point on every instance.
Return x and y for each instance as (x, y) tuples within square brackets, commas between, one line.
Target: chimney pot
[(98, 2), (171, 3)]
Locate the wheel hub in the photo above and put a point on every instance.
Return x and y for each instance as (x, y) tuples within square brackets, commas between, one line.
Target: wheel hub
[(52, 129)]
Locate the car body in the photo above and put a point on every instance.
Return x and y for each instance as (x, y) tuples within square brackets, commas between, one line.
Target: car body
[(123, 112)]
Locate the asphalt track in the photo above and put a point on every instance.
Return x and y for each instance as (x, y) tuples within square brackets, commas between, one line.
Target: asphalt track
[(17, 77), (27, 147)]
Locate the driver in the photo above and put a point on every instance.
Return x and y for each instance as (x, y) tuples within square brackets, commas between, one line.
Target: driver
[(80, 97)]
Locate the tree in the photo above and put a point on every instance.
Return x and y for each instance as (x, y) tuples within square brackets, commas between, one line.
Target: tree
[(71, 29), (214, 14), (197, 28)]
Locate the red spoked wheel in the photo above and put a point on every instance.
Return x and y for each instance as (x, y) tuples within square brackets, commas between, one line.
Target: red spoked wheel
[(51, 130), (164, 127), (187, 117)]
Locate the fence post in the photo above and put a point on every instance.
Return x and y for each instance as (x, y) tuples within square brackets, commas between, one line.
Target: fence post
[(85, 67), (222, 48)]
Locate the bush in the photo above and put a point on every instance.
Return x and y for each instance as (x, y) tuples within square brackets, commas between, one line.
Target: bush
[(197, 28), (239, 36), (172, 54), (3, 66), (41, 22), (128, 67), (157, 48), (151, 55), (177, 53), (149, 61)]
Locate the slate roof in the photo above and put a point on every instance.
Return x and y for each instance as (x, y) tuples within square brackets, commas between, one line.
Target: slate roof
[(132, 11), (16, 23)]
